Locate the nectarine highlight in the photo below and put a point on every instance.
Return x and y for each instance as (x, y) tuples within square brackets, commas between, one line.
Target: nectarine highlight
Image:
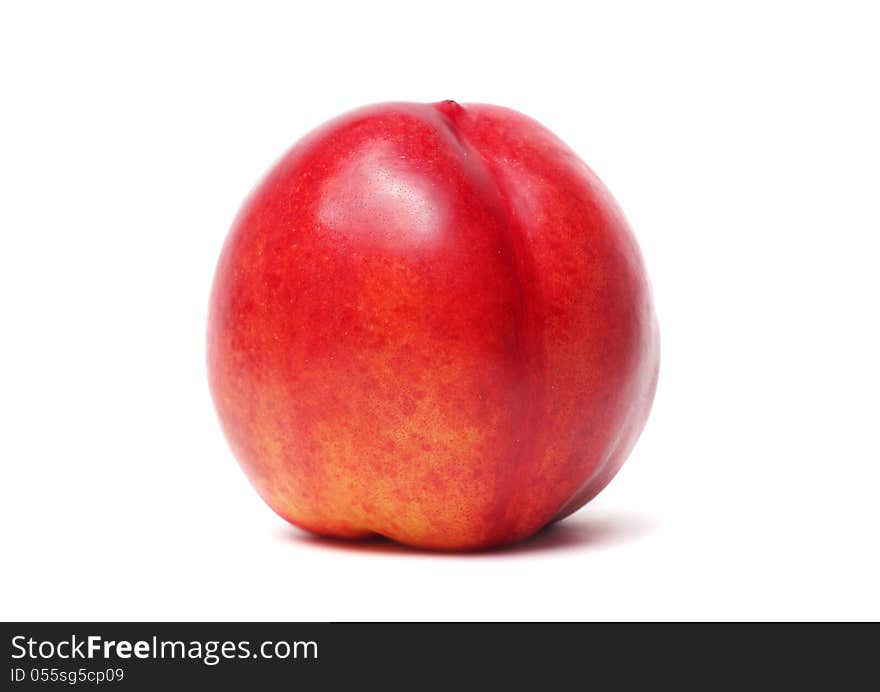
[(431, 322)]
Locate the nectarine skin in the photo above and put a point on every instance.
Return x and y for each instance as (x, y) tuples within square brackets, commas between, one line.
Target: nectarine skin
[(431, 322)]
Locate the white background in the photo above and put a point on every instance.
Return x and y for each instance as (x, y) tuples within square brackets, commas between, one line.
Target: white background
[(742, 141)]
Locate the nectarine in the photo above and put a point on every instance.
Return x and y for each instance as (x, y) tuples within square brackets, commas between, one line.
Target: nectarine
[(431, 322)]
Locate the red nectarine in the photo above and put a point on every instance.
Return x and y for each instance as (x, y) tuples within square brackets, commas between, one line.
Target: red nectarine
[(431, 322)]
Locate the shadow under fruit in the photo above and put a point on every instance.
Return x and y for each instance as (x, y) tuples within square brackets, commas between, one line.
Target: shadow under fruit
[(431, 322)]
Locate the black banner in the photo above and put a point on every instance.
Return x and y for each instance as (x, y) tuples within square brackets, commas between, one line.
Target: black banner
[(268, 656)]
